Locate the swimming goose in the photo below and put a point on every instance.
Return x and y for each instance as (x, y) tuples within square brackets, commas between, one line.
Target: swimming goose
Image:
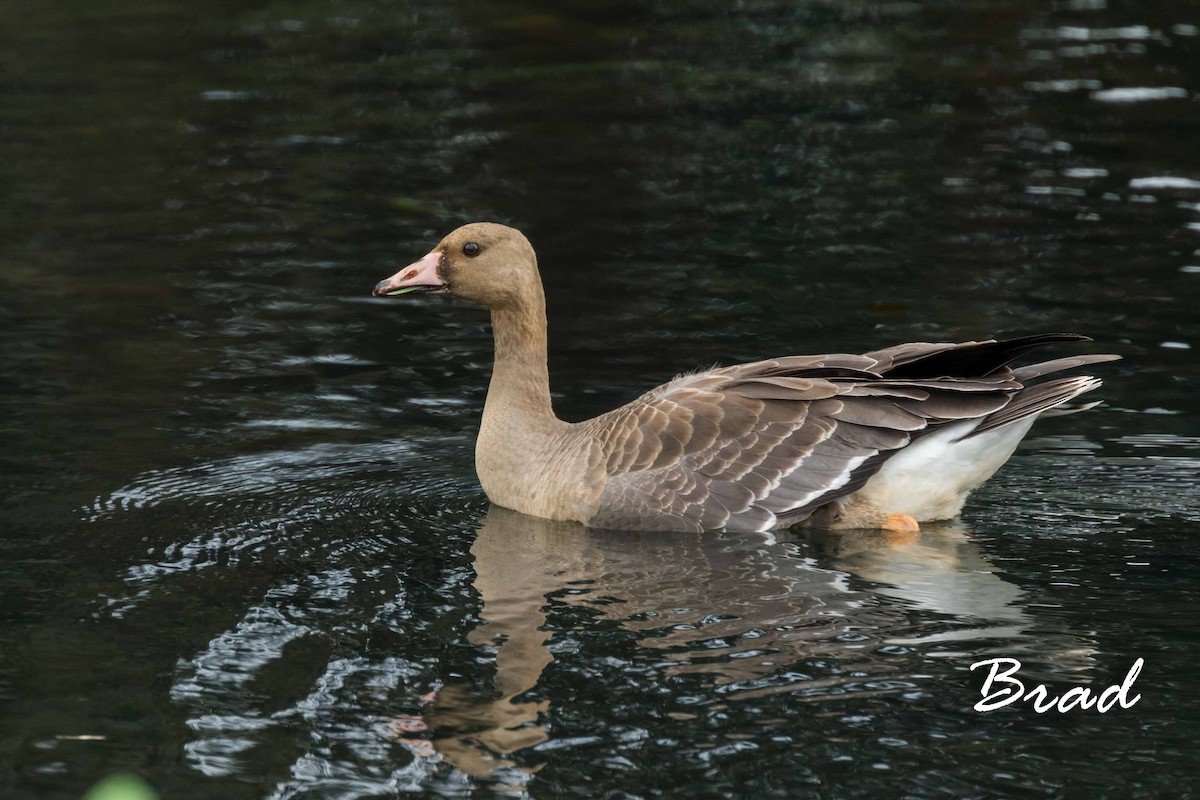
[(880, 440)]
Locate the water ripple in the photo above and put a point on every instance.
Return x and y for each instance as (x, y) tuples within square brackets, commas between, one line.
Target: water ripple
[(278, 478), (264, 506)]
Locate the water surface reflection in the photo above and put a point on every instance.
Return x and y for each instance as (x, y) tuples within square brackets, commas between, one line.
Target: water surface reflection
[(746, 612)]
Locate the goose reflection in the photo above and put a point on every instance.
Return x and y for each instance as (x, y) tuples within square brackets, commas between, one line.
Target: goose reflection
[(740, 610)]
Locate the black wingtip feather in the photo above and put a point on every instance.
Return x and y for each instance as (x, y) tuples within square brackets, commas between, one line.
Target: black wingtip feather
[(978, 359)]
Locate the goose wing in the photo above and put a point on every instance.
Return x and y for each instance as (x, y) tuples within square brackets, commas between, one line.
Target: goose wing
[(763, 445)]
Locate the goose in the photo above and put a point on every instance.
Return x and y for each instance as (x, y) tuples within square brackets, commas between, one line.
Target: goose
[(883, 440)]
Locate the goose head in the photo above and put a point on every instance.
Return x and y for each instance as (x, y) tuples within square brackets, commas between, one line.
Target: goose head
[(484, 262)]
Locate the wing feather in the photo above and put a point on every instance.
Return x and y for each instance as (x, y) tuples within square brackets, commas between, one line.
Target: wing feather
[(759, 445)]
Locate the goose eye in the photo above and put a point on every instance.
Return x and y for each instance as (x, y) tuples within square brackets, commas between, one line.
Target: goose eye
[(470, 249)]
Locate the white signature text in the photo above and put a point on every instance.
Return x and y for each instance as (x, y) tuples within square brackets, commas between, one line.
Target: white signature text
[(1002, 688)]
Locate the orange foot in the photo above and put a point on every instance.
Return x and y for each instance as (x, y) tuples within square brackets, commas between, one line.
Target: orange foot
[(901, 528)]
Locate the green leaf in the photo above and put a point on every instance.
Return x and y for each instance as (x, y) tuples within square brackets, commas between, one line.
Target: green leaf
[(121, 786)]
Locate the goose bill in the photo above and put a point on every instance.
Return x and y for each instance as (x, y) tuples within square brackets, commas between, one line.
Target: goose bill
[(420, 277)]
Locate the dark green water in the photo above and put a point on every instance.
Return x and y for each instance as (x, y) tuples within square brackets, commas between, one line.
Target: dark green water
[(243, 551)]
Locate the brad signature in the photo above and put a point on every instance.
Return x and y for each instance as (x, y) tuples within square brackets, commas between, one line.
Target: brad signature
[(1002, 688)]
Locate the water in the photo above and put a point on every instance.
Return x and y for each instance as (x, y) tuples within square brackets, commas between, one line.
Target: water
[(244, 553)]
